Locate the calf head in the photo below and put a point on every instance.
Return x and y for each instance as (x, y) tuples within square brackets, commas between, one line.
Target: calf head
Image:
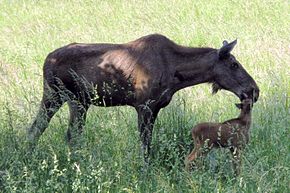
[(230, 75), (246, 105)]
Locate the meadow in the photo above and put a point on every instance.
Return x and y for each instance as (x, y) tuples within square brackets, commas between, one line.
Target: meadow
[(111, 160)]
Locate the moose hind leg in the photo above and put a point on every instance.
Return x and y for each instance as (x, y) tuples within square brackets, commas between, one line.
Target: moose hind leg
[(50, 104), (77, 120)]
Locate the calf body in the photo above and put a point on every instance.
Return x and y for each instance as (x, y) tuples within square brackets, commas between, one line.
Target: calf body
[(232, 134)]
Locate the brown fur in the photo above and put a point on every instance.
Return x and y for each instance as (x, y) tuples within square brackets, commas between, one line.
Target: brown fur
[(144, 74), (232, 134)]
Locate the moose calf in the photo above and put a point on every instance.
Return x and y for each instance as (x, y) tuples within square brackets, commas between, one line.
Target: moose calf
[(232, 134)]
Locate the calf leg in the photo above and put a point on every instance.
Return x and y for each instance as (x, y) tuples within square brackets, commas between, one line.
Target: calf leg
[(192, 156), (236, 153), (50, 104), (77, 120), (201, 149)]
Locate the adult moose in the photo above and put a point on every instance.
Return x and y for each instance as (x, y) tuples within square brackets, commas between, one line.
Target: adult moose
[(144, 74)]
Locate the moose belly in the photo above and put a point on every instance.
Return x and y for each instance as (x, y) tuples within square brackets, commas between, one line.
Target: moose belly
[(110, 94)]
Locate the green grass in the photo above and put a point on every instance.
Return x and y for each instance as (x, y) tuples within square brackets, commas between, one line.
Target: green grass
[(110, 159)]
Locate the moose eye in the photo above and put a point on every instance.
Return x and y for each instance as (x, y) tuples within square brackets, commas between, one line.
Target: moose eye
[(234, 65)]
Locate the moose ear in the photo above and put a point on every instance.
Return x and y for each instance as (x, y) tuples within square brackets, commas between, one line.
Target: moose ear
[(239, 106), (225, 42), (225, 50)]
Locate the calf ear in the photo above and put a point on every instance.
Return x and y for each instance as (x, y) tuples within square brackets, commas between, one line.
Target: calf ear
[(226, 49), (239, 106)]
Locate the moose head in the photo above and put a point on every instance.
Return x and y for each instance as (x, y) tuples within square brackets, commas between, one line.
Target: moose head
[(230, 75)]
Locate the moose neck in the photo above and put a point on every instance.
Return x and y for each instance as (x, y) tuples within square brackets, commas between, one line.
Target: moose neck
[(193, 66)]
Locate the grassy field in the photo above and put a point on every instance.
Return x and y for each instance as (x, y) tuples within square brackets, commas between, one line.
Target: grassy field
[(111, 160)]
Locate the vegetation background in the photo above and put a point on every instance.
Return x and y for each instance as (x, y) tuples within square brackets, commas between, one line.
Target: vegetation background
[(111, 159)]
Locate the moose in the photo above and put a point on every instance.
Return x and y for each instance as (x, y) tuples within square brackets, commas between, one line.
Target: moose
[(232, 134), (144, 74)]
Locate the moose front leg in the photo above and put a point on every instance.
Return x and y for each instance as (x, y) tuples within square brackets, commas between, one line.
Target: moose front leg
[(146, 119)]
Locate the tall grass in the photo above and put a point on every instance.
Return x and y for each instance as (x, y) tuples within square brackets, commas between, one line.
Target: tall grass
[(111, 160)]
